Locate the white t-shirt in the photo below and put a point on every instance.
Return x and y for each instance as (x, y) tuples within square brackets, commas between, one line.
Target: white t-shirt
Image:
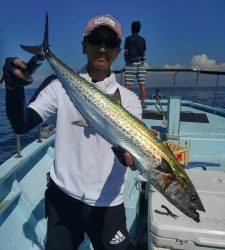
[(85, 166)]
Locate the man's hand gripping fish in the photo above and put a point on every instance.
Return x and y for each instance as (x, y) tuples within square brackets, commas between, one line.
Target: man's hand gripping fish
[(101, 112)]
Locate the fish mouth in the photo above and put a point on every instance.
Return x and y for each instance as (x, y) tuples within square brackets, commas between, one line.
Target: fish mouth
[(193, 210), (201, 208), (194, 214)]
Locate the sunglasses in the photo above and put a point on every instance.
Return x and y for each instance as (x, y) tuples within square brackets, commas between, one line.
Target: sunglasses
[(110, 41)]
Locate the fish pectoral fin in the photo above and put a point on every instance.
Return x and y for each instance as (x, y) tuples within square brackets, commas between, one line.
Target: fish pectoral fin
[(164, 167), (80, 123), (117, 97)]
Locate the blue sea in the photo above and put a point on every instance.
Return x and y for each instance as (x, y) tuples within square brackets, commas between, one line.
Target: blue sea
[(206, 95)]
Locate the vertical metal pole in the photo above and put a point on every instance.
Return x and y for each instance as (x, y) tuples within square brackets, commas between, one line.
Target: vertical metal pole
[(18, 147), (196, 86), (215, 94), (39, 134), (173, 118), (174, 82)]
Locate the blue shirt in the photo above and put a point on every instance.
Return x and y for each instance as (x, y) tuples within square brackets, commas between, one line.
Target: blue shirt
[(136, 46)]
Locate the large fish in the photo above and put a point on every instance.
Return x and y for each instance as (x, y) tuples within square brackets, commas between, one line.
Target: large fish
[(153, 159)]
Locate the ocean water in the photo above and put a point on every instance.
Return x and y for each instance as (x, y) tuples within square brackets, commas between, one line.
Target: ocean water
[(206, 95), (7, 135)]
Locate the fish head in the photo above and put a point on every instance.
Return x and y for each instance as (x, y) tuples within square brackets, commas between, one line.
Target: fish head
[(183, 195), (179, 189), (175, 185)]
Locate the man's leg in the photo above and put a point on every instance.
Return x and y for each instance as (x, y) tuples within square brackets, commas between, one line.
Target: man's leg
[(142, 93), (141, 77), (65, 221), (129, 76), (107, 228)]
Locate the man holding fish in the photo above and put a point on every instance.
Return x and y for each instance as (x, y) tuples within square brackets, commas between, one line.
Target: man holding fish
[(85, 192), (95, 116)]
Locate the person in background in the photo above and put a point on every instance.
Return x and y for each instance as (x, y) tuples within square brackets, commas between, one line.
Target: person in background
[(134, 55), (86, 188)]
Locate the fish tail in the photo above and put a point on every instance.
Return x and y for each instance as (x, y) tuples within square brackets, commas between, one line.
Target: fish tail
[(40, 50)]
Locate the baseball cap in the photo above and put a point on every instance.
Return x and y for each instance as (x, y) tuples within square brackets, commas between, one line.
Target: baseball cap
[(103, 20)]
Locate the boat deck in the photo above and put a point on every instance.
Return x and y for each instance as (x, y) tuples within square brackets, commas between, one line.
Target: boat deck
[(198, 135), (23, 180), (22, 207)]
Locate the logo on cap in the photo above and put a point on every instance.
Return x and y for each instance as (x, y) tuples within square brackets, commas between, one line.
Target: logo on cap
[(102, 20), (105, 20)]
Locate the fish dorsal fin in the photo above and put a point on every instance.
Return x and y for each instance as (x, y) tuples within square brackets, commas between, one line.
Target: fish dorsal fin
[(116, 96)]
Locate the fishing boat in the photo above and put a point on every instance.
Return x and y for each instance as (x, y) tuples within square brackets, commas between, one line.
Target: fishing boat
[(196, 134)]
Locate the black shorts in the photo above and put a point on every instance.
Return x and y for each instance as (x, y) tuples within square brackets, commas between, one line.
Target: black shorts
[(69, 219)]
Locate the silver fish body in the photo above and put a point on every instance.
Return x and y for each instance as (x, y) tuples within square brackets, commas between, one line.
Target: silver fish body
[(153, 159)]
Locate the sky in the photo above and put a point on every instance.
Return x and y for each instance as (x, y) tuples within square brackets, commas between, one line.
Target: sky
[(178, 33)]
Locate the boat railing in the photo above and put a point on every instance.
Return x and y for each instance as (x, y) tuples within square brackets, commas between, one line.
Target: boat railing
[(18, 147), (42, 133), (177, 71)]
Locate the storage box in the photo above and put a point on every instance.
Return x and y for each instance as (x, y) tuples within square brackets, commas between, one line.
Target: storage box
[(165, 232), (179, 151)]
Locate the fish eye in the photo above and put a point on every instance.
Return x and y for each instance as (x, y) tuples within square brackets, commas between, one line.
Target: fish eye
[(193, 198)]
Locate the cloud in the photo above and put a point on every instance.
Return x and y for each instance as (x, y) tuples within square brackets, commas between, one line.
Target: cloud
[(175, 66), (203, 62)]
